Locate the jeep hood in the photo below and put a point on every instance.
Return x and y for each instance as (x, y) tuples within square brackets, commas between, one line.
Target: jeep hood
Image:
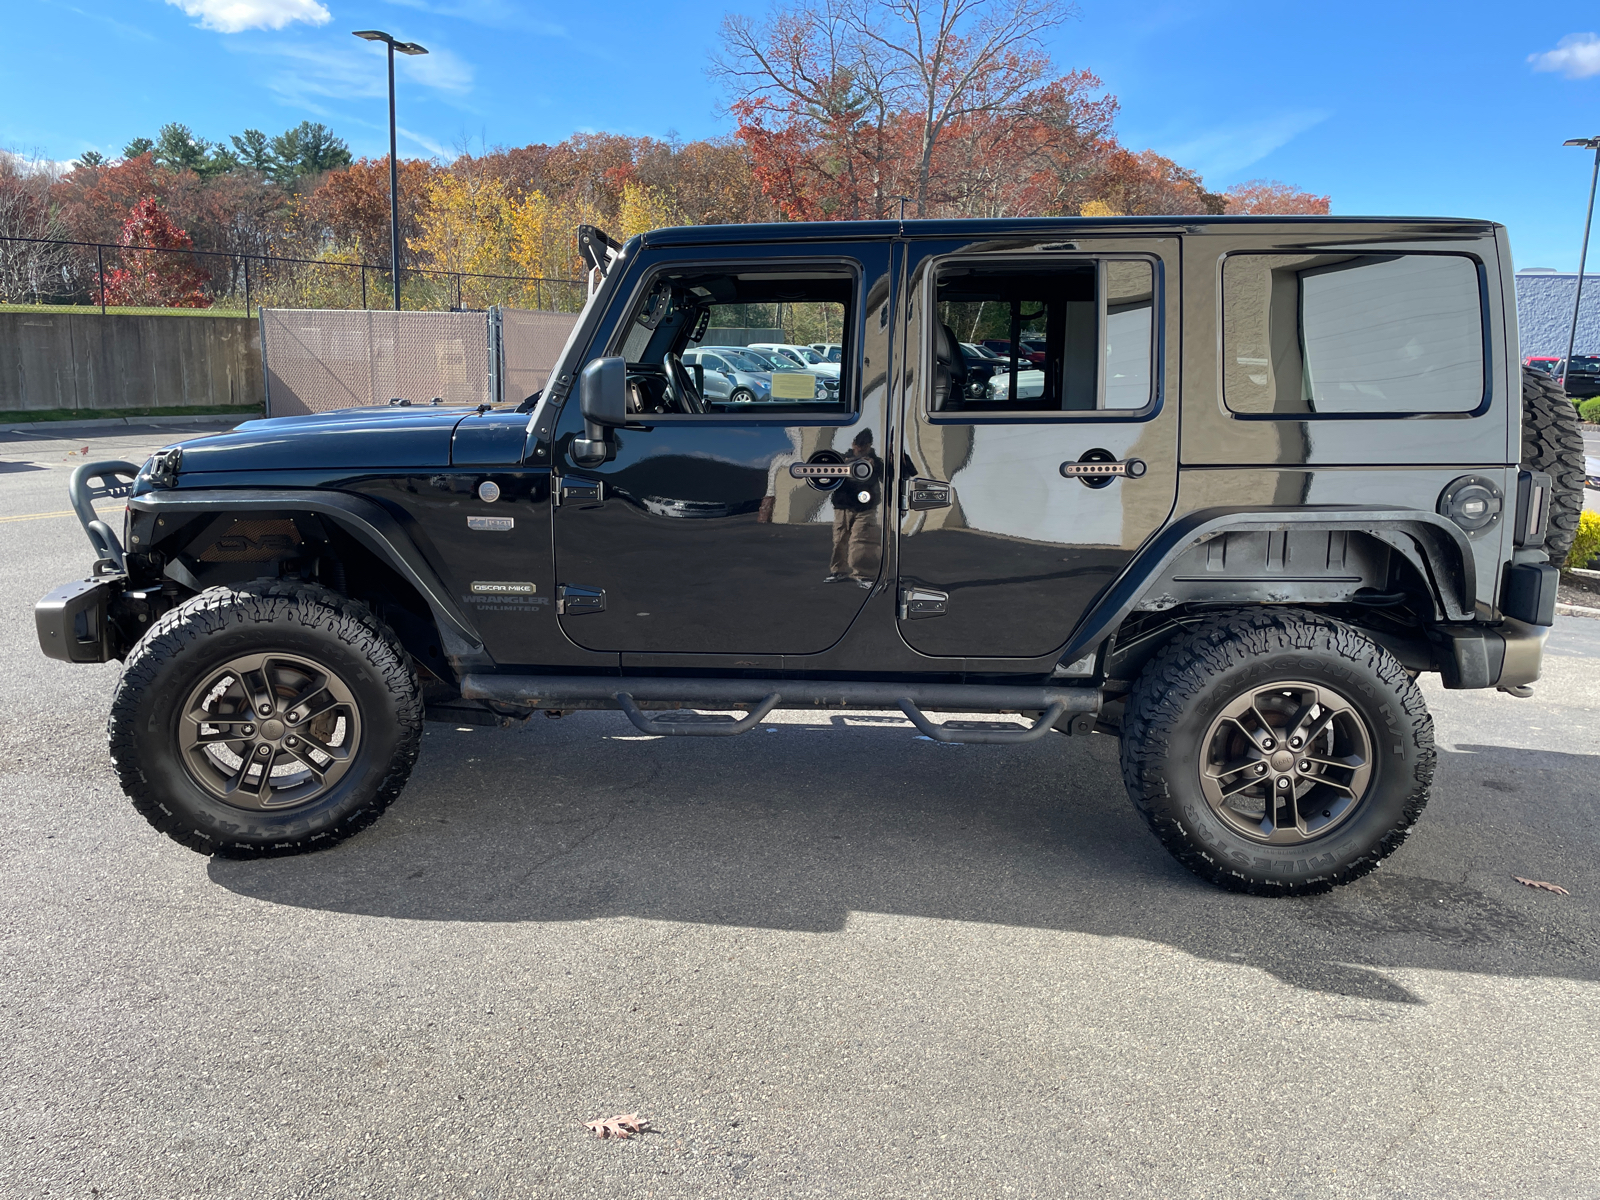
[(352, 438)]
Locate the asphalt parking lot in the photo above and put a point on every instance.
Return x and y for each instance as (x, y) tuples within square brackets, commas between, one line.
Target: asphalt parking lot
[(828, 958)]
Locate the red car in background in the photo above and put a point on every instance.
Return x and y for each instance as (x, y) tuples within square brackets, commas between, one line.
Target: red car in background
[(1549, 364)]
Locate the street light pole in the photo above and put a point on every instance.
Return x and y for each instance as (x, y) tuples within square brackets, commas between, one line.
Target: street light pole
[(377, 35), (1589, 143)]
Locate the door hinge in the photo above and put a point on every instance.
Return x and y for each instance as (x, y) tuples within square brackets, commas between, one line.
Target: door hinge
[(574, 600), (919, 494), (572, 490), (919, 602)]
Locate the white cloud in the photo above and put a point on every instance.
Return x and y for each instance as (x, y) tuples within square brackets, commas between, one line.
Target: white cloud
[(439, 69), (354, 72), (1228, 149), (235, 16), (1577, 56), (428, 144)]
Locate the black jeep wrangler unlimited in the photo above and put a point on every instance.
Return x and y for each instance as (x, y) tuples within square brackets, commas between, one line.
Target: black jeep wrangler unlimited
[(1239, 483)]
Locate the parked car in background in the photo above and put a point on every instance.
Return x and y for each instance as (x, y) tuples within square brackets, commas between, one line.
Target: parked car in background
[(1002, 349), (1547, 363), (1581, 377), (730, 376), (981, 367), (830, 351), (802, 356), (773, 363)]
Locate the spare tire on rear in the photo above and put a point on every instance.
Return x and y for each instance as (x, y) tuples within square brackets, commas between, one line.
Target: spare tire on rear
[(1552, 442)]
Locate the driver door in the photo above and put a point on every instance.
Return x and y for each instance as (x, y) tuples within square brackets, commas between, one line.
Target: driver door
[(695, 537)]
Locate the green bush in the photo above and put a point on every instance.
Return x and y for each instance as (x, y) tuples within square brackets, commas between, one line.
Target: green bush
[(1587, 544), (1589, 410)]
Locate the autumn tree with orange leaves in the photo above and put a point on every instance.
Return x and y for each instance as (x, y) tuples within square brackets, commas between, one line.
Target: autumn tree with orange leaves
[(849, 106)]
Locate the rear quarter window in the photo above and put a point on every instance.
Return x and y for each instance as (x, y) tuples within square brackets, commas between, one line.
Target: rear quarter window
[(1373, 334)]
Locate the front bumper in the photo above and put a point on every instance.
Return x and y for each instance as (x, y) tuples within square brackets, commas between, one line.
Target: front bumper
[(74, 620)]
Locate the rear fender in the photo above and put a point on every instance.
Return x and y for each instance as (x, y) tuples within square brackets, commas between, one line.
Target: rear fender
[(1436, 548)]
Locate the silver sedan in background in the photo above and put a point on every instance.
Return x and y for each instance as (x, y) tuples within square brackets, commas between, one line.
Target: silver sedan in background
[(730, 375), (770, 361)]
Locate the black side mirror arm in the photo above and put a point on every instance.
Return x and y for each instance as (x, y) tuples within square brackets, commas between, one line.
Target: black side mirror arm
[(603, 400)]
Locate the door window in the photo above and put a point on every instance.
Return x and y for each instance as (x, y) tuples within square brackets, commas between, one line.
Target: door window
[(725, 307), (1067, 337)]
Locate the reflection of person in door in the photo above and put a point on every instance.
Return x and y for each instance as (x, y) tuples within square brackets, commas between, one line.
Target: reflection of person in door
[(857, 532)]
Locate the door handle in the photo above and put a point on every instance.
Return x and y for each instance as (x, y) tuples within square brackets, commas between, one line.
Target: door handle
[(920, 494), (1099, 471), (571, 490)]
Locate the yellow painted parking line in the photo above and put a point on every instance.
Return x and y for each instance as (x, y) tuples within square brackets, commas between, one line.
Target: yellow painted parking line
[(63, 513)]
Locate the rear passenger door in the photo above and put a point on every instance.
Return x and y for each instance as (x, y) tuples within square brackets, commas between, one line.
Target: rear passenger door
[(1004, 543)]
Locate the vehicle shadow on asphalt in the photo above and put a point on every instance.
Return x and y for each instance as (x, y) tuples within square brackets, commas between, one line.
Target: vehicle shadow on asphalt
[(798, 828)]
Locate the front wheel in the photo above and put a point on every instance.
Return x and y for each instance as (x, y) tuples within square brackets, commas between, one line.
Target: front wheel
[(265, 719), (742, 395), (1277, 752)]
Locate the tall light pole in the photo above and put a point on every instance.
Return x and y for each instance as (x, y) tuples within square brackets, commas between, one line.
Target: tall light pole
[(377, 35), (1589, 143)]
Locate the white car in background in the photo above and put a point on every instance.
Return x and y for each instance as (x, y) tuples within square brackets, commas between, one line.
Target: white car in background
[(830, 351), (803, 357), (1030, 385)]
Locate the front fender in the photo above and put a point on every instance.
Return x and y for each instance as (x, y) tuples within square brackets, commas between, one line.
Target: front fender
[(367, 521)]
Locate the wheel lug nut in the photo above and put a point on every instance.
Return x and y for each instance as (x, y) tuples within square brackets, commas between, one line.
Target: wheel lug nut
[(1261, 768), (1266, 743), (266, 709), (264, 751), (1283, 783), (248, 730), (1295, 742), (1305, 766), (291, 741)]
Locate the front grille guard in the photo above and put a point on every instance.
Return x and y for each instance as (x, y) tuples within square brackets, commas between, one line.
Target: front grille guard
[(99, 481)]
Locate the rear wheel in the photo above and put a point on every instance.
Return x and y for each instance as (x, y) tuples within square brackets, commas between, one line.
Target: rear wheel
[(265, 719), (1552, 441), (1277, 752)]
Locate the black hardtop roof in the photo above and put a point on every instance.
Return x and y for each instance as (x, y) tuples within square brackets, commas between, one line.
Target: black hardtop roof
[(1066, 227)]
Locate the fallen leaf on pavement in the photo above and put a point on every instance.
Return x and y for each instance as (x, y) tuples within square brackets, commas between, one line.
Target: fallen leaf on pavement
[(624, 1126), (1543, 886)]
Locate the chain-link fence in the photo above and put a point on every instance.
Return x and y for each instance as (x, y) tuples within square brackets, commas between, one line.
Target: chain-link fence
[(49, 273), (530, 343), (318, 360)]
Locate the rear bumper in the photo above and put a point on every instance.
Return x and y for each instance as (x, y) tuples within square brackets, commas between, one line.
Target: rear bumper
[(74, 620), (1507, 655)]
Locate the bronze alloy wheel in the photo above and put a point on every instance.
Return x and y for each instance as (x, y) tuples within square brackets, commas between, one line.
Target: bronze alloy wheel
[(269, 731), (1286, 763)]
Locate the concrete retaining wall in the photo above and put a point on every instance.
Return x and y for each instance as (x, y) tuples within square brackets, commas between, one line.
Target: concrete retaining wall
[(87, 362)]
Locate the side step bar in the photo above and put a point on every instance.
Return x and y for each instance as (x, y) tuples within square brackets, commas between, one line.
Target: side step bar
[(632, 694)]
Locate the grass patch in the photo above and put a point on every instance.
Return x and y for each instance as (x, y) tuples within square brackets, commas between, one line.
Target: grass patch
[(242, 411), (86, 310)]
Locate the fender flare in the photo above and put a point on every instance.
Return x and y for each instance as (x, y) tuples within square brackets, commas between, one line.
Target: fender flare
[(1435, 546), (367, 521)]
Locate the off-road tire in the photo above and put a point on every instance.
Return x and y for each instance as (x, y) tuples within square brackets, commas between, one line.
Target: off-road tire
[(1182, 690), (1552, 441), (304, 620)]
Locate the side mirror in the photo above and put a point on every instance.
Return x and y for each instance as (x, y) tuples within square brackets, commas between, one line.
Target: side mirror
[(603, 400)]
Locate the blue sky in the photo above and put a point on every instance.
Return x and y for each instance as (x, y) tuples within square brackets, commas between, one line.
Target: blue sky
[(1438, 109)]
